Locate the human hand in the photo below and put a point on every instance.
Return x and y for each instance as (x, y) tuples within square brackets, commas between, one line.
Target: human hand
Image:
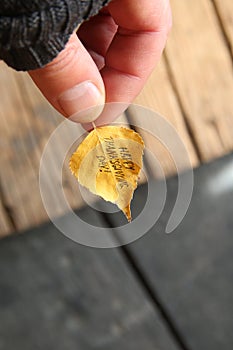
[(108, 60)]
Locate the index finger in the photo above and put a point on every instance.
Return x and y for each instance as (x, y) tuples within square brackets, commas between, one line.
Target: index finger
[(136, 48)]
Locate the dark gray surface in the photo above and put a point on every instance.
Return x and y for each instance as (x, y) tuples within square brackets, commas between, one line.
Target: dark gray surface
[(56, 294), (191, 270)]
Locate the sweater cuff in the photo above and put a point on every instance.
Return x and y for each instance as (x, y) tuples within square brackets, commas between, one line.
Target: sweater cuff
[(30, 41)]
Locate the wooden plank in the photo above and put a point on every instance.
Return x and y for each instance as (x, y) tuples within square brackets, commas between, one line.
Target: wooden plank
[(40, 109), (201, 69), (23, 135), (56, 294), (14, 160), (225, 12), (5, 226), (191, 270), (47, 121), (36, 122), (159, 96), (27, 121)]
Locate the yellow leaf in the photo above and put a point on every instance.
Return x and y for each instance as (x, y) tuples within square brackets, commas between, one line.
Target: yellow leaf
[(108, 163)]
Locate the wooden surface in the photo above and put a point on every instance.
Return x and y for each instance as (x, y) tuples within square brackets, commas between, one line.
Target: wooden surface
[(201, 68), (158, 95), (5, 225), (192, 88)]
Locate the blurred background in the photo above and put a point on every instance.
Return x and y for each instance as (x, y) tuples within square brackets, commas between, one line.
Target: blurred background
[(163, 291)]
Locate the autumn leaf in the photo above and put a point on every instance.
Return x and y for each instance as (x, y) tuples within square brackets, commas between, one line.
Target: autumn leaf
[(108, 163)]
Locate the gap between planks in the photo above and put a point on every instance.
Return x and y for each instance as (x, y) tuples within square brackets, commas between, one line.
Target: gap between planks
[(200, 68), (204, 122), (159, 97), (27, 122), (151, 293)]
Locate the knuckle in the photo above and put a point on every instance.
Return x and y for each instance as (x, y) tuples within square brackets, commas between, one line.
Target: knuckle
[(65, 57)]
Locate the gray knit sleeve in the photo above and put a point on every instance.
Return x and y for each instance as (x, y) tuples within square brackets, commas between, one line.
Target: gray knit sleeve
[(33, 32)]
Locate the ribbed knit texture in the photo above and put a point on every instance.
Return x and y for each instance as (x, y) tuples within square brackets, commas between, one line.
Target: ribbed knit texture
[(33, 32)]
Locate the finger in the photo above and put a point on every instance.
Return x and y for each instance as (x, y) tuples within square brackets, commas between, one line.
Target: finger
[(72, 83), (135, 49), (97, 33)]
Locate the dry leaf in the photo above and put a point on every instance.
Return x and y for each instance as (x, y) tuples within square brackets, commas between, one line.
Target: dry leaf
[(108, 163)]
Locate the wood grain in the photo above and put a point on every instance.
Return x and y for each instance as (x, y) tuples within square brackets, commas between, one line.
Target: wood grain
[(47, 120), (5, 225), (201, 69), (15, 164), (225, 11), (26, 124), (159, 96), (27, 121), (192, 88)]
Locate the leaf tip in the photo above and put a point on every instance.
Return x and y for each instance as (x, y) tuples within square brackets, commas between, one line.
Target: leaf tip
[(127, 213)]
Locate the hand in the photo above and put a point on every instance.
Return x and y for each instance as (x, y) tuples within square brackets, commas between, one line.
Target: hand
[(108, 60)]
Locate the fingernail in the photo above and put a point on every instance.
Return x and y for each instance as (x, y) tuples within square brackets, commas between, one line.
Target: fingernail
[(82, 103)]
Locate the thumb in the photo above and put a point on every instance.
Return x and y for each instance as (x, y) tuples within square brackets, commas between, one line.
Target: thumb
[(72, 83)]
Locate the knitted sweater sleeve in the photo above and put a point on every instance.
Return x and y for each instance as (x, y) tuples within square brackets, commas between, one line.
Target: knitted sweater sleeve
[(33, 32)]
